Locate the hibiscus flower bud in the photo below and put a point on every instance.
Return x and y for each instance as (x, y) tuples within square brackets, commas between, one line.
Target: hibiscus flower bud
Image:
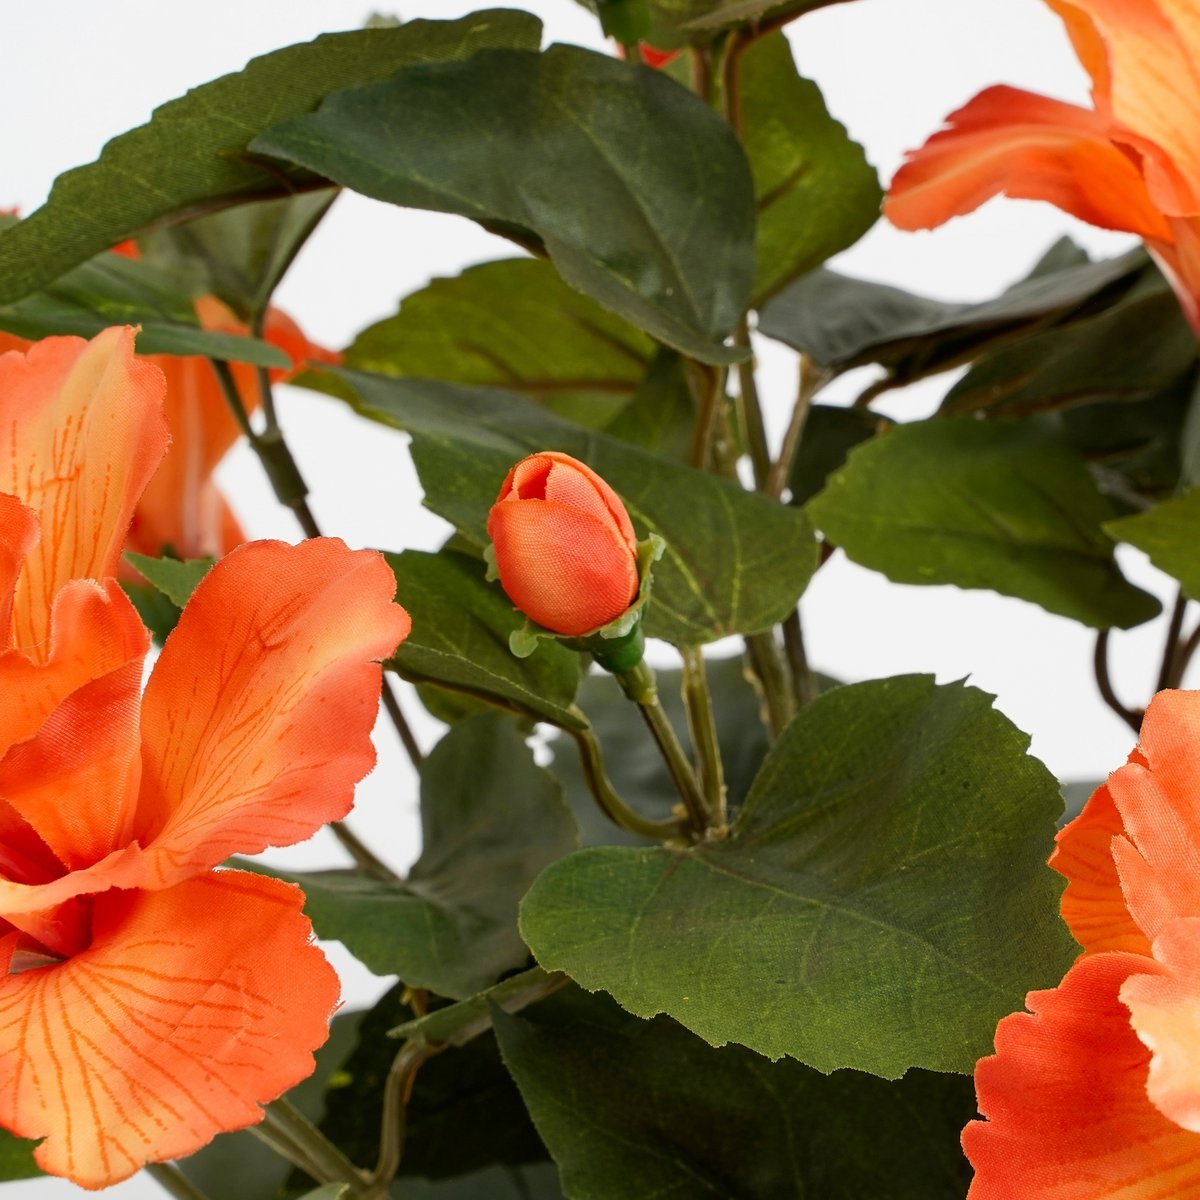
[(565, 548)]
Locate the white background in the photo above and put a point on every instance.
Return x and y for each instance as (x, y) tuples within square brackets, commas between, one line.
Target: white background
[(82, 71)]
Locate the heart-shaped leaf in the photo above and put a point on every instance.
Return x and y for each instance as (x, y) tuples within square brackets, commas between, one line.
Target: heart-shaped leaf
[(880, 903)]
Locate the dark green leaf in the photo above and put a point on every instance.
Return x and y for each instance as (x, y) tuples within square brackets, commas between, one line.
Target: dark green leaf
[(657, 223), (490, 821), (242, 252), (817, 194), (843, 322), (735, 562), (327, 1191), (676, 22), (829, 435), (880, 903), (465, 1112), (512, 324), (16, 1157), (662, 1114), (634, 764), (459, 638), (1137, 349), (192, 156), (176, 579), (1170, 534), (661, 416), (537, 1182), (158, 613), (111, 289), (982, 504)]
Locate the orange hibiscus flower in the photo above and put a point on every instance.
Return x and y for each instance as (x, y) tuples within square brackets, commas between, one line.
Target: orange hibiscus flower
[(1095, 1093), (1130, 163), (150, 1001)]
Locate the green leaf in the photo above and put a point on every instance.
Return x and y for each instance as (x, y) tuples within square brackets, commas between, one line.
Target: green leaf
[(490, 821), (662, 1114), (880, 903), (327, 1191), (634, 764), (536, 1182), (1170, 534), (841, 322), (114, 290), (242, 252), (464, 1113), (192, 157), (176, 578), (817, 194), (676, 22), (830, 434), (661, 416), (457, 1024), (735, 562), (1142, 346), (459, 639), (512, 324), (657, 223), (16, 1157), (982, 504)]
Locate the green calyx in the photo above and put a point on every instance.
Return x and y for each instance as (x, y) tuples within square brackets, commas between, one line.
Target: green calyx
[(617, 646)]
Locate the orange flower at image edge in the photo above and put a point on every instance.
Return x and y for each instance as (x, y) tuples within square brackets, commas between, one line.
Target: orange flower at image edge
[(151, 1001), (1132, 163), (1095, 1093)]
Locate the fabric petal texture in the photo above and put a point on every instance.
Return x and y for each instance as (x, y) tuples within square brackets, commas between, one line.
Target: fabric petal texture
[(191, 1007), (1068, 1117), (1011, 142), (81, 432), (256, 721)]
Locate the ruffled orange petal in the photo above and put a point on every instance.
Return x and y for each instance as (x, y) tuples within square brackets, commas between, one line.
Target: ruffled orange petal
[(94, 631), (81, 432), (190, 1008), (18, 536), (1092, 905), (1151, 90), (1029, 147), (1159, 861), (256, 722), (1065, 1097), (1088, 43), (1165, 1012)]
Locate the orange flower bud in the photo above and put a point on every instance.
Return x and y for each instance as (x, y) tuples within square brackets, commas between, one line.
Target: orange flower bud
[(565, 547)]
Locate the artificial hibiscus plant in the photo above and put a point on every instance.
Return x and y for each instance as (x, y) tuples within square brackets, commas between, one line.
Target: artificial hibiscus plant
[(688, 920)]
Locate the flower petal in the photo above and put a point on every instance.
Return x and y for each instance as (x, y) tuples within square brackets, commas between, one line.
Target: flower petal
[(1065, 1097), (1150, 90), (256, 722), (1155, 793), (1029, 147), (81, 432), (1165, 1012), (191, 1007), (18, 536), (1093, 905)]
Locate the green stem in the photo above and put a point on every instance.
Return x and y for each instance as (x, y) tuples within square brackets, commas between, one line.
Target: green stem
[(804, 682), (773, 684), (1172, 647), (396, 1092), (174, 1182), (291, 1124), (362, 855), (750, 410), (702, 727), (639, 685), (812, 380), (274, 1140), (1104, 684), (1186, 652), (706, 391), (606, 797)]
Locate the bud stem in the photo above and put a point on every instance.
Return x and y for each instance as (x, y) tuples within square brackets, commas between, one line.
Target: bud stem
[(639, 685), (702, 727)]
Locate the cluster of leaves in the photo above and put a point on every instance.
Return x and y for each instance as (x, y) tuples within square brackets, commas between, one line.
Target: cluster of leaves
[(790, 1009)]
